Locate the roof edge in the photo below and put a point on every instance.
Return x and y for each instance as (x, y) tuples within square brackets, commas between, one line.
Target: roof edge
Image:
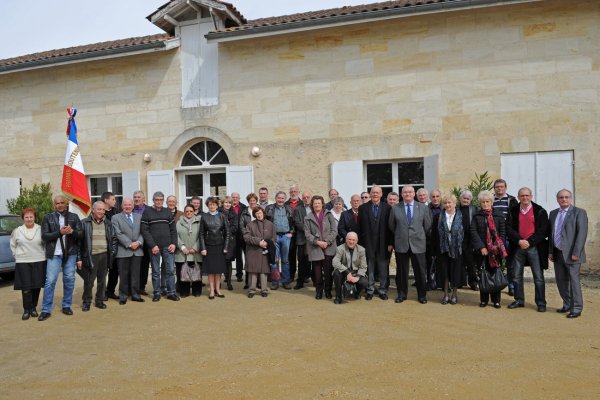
[(354, 18)]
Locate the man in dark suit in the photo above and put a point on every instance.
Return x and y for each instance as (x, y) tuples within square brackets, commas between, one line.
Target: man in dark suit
[(528, 232), (410, 222), (349, 218), (569, 227), (374, 235), (304, 267), (126, 227)]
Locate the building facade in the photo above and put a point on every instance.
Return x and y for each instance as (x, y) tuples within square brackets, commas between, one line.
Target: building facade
[(391, 94)]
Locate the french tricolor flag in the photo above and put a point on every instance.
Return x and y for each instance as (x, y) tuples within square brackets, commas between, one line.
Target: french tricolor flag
[(74, 183)]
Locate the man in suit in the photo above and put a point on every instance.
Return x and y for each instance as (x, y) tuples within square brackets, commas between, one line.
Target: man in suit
[(569, 227), (467, 211), (349, 218), (96, 255), (126, 226), (61, 232), (374, 235), (349, 265), (527, 233), (304, 267), (410, 222)]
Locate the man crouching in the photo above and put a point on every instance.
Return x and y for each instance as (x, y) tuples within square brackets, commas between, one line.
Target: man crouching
[(349, 267)]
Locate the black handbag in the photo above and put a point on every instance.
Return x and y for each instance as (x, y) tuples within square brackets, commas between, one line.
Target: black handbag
[(492, 281), (348, 289)]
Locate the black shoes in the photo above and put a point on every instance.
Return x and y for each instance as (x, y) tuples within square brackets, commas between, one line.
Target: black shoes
[(111, 296), (423, 300), (328, 295), (26, 315), (319, 295), (541, 308), (444, 300), (562, 310), (573, 315), (137, 299), (174, 297), (383, 296), (240, 278), (369, 296), (497, 305), (246, 287), (229, 286), (337, 301), (511, 291), (33, 313), (156, 297), (122, 302), (453, 300), (298, 286), (264, 294), (515, 304), (399, 299), (220, 295), (101, 306), (67, 311), (85, 307), (482, 304), (250, 295), (44, 316)]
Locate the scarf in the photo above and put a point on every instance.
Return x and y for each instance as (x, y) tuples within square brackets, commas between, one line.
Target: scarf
[(319, 217), (491, 237), (451, 239)]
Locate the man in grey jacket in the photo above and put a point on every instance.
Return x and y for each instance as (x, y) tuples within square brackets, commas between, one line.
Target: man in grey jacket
[(349, 265), (127, 226), (569, 227), (410, 222)]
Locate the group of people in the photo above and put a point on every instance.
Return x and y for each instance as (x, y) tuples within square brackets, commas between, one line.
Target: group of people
[(447, 241)]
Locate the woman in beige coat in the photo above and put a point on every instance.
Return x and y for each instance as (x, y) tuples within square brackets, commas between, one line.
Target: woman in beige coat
[(320, 228), (257, 260), (188, 250)]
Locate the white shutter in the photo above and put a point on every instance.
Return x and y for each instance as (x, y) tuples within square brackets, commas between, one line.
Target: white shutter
[(209, 68), (518, 170), (160, 181), (347, 178), (10, 188), (131, 182), (554, 171), (240, 179), (430, 172)]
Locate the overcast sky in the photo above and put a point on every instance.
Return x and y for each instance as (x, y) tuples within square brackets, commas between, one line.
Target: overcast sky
[(30, 26)]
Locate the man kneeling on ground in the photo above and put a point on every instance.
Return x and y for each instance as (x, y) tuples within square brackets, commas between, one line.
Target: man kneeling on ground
[(349, 267)]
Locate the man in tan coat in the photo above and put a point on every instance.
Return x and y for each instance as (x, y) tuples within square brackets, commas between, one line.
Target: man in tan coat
[(349, 265)]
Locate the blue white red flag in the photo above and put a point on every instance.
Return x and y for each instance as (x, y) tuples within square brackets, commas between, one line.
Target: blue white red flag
[(74, 182)]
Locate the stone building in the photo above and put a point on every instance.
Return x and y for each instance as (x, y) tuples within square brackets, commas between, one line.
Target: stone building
[(406, 91)]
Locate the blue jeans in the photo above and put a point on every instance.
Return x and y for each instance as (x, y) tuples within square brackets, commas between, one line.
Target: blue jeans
[(169, 260), (53, 268), (531, 256), (283, 253)]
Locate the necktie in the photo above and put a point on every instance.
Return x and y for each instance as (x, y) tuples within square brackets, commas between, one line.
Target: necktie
[(130, 217), (408, 214), (375, 210), (356, 218), (558, 228)]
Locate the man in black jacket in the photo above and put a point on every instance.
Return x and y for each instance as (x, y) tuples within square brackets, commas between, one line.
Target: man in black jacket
[(528, 233), (160, 237), (61, 232), (96, 253)]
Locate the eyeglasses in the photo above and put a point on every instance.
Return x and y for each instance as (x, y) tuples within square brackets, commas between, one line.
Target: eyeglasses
[(364, 197)]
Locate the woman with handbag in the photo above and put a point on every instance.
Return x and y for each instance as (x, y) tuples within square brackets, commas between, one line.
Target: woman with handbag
[(321, 232), (256, 235), (214, 245), (450, 235), (187, 254), (30, 262), (232, 221), (488, 231)]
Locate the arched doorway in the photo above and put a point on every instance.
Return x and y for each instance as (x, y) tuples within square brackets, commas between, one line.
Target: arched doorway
[(202, 171)]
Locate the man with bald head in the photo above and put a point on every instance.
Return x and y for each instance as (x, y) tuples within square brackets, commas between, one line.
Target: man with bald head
[(61, 232), (410, 221), (349, 265), (374, 235)]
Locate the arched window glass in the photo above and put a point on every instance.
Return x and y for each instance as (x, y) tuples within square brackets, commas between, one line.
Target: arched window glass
[(203, 154)]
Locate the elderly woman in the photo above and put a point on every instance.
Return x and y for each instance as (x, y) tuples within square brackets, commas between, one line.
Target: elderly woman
[(256, 234), (245, 218), (232, 221), (214, 245), (336, 212), (30, 261), (188, 250), (320, 228), (468, 210), (450, 238), (488, 232)]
